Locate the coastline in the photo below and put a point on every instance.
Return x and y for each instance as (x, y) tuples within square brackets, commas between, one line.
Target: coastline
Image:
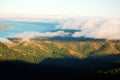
[(4, 27)]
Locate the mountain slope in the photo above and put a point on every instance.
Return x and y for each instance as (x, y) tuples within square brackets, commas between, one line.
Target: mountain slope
[(38, 50), (106, 49)]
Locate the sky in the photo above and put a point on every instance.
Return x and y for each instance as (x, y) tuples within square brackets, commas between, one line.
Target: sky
[(101, 8)]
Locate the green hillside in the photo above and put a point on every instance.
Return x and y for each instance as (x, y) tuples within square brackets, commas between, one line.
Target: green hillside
[(36, 51)]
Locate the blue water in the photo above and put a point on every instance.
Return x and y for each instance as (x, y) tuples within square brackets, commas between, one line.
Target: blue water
[(21, 27)]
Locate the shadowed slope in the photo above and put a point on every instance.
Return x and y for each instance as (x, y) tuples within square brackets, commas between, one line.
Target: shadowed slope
[(69, 68)]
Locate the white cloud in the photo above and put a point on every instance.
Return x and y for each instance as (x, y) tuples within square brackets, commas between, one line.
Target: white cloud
[(78, 23), (91, 27), (29, 35), (106, 29), (72, 23), (4, 40)]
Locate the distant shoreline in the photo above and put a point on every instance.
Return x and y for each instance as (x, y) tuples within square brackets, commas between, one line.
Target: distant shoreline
[(4, 27)]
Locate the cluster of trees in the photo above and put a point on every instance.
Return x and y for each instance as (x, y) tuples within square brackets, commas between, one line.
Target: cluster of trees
[(118, 47), (114, 71)]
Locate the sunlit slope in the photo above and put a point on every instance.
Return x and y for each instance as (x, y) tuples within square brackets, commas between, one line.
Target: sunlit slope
[(36, 50), (107, 48)]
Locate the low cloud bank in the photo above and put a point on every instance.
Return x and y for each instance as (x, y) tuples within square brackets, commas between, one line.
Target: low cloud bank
[(98, 28), (4, 40), (30, 35), (89, 27)]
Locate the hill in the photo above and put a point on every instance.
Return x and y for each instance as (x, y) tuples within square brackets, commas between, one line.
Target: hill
[(37, 50), (95, 60)]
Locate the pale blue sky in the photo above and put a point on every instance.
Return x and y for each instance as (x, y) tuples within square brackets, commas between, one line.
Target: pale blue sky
[(102, 8)]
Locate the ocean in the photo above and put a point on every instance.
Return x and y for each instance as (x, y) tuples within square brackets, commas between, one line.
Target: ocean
[(21, 27)]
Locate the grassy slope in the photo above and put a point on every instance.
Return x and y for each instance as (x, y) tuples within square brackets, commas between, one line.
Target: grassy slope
[(36, 51)]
